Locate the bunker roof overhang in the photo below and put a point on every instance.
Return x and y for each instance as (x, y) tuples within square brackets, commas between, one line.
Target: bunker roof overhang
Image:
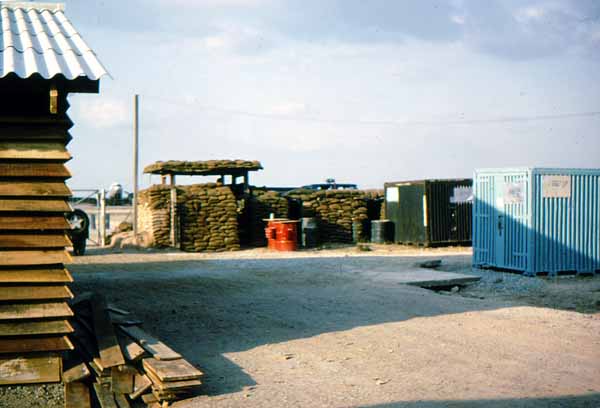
[(234, 168), (38, 44)]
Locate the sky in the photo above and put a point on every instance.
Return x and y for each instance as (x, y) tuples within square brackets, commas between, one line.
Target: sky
[(360, 91)]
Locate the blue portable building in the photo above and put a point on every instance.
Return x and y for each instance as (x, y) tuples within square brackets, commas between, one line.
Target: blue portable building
[(537, 220)]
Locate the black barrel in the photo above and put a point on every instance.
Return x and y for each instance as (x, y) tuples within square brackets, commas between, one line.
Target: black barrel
[(310, 232), (381, 231)]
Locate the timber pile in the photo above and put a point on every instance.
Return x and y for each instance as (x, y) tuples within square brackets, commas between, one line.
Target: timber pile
[(208, 167), (260, 204), (208, 218), (117, 364), (337, 212), (33, 293)]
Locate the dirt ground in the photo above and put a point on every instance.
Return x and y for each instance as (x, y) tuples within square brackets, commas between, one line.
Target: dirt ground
[(321, 328), (331, 328)]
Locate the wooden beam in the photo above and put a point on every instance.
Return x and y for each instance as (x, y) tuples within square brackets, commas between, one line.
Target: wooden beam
[(32, 223), (122, 379), (36, 205), (34, 311), (108, 345), (34, 293), (74, 368), (20, 189), (35, 276), (172, 385), (153, 346), (59, 240), (30, 345), (105, 396), (29, 369), (131, 350), (38, 170), (141, 384), (34, 151), (77, 395), (122, 401), (47, 257), (35, 328), (35, 133), (172, 370)]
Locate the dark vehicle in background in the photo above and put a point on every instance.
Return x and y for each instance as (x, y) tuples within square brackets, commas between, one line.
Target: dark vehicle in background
[(79, 231), (330, 184)]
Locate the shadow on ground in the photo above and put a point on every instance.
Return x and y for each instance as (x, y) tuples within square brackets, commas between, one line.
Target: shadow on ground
[(207, 308), (579, 401)]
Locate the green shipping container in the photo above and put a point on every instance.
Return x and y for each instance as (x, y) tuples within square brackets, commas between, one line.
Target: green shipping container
[(430, 212)]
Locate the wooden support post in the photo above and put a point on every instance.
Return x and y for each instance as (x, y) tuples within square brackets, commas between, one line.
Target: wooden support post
[(173, 179), (246, 181), (174, 223), (102, 221), (163, 179), (136, 119)]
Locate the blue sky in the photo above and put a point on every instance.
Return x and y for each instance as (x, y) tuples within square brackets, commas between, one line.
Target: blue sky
[(361, 91)]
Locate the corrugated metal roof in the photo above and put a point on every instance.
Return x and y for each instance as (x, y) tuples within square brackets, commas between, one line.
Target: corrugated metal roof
[(37, 38)]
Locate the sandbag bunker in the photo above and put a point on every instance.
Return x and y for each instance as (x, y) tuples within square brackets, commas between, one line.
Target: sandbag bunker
[(230, 213)]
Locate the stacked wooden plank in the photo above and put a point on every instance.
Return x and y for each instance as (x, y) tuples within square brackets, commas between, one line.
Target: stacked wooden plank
[(117, 364), (33, 293)]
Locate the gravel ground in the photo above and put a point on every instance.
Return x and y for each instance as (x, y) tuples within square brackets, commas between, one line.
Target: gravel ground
[(319, 328), (32, 396)]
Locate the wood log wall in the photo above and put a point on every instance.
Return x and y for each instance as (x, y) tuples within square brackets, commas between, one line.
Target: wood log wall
[(34, 315)]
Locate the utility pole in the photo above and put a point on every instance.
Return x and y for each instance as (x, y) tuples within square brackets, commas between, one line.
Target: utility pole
[(136, 118)]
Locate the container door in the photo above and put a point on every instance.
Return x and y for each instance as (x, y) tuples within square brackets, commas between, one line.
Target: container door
[(510, 222), (392, 199), (499, 222)]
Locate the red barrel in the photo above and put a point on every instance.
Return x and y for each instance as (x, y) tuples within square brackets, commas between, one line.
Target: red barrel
[(286, 235), (282, 234), (271, 231)]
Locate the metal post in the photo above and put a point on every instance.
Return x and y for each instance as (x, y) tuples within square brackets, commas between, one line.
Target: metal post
[(98, 218), (136, 117), (102, 218)]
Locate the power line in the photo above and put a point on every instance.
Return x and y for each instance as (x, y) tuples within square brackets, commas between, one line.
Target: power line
[(482, 121)]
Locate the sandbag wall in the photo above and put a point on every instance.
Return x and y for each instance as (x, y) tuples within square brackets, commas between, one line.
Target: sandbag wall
[(260, 204), (154, 215), (206, 217), (336, 212)]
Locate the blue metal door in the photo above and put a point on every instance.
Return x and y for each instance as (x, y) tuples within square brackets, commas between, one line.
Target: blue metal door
[(511, 219), (498, 221)]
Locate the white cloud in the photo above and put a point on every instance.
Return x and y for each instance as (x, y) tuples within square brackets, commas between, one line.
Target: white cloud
[(460, 20), (103, 113), (531, 13), (197, 4), (215, 42), (290, 109)]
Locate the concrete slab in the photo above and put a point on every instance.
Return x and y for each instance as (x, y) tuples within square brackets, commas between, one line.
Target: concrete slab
[(424, 278)]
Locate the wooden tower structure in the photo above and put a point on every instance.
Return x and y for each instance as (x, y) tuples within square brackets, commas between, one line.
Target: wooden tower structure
[(42, 59)]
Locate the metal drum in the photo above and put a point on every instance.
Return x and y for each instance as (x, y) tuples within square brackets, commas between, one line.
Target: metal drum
[(309, 232), (381, 231)]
